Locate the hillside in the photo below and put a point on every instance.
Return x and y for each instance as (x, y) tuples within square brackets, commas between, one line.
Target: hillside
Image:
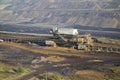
[(95, 13)]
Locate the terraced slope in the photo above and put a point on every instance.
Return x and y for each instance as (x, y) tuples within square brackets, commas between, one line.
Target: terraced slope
[(95, 13)]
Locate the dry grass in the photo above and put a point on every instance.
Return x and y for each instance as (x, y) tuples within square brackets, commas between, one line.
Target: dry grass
[(59, 51), (96, 61), (55, 59), (47, 50), (90, 73), (3, 6), (115, 75), (4, 67)]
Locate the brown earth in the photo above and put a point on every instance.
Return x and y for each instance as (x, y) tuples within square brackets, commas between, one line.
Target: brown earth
[(65, 61)]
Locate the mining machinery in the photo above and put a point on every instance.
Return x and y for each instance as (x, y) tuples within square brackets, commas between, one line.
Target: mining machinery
[(71, 38), (64, 37)]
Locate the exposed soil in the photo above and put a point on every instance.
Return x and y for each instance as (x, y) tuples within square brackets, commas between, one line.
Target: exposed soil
[(61, 60)]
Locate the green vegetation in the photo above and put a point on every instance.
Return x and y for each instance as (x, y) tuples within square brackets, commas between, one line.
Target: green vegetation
[(21, 69), (54, 76), (51, 76), (4, 1), (115, 75), (8, 72), (2, 6)]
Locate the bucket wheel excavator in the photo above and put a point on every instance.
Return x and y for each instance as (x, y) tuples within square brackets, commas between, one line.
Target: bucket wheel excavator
[(71, 38)]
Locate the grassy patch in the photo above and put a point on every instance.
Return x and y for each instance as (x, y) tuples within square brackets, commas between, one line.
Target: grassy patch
[(21, 69), (51, 76), (115, 75), (3, 6), (8, 72), (4, 1), (54, 76), (45, 51)]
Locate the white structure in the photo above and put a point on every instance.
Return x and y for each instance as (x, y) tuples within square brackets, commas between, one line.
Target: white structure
[(1, 40), (50, 43), (65, 31)]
